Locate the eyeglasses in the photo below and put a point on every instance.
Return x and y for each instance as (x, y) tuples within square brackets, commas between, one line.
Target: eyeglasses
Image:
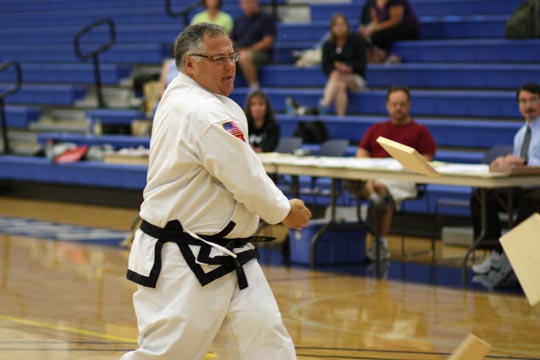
[(533, 100), (220, 59), (398, 103)]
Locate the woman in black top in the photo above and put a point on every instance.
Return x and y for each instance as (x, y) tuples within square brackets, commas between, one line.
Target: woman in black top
[(344, 62), (263, 129)]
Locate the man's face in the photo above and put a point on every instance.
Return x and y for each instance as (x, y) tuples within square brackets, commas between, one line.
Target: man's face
[(398, 107), (250, 7), (529, 105), (214, 76)]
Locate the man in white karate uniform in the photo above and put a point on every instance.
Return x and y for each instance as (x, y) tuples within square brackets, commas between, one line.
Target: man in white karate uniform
[(200, 286)]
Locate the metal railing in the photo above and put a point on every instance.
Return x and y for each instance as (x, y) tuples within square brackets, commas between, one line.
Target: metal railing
[(182, 13), (4, 94), (94, 53)]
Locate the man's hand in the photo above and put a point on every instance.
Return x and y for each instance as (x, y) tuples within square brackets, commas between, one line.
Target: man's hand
[(506, 162), (298, 216)]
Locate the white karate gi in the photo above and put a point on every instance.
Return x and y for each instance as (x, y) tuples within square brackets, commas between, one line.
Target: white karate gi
[(204, 174)]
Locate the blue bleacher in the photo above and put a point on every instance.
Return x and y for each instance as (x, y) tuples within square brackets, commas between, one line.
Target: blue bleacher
[(45, 94), (453, 27), (433, 28), (116, 141), (469, 51), (85, 173), (321, 12), (424, 102), (111, 74), (447, 75), (152, 14), (119, 53), (21, 116), (448, 51), (447, 132), (115, 116)]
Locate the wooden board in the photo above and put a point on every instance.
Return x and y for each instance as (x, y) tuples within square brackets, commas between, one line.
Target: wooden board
[(522, 246), (408, 157), (472, 348)]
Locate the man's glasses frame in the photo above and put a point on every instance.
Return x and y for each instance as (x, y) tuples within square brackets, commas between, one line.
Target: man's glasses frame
[(220, 59), (533, 100)]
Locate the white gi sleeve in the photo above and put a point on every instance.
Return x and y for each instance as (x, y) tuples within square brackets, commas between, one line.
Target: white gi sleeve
[(232, 162)]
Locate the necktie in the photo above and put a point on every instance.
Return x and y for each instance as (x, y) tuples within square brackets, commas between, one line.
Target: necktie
[(525, 145)]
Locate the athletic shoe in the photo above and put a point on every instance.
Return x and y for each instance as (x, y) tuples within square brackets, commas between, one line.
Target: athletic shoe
[(492, 260), (371, 254)]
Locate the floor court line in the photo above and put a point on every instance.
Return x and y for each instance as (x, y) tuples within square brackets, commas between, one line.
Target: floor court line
[(55, 327)]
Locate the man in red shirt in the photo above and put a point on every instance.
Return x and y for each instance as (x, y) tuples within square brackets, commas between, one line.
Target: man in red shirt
[(385, 194)]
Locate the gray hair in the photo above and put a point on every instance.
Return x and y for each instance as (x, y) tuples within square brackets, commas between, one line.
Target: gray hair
[(190, 40)]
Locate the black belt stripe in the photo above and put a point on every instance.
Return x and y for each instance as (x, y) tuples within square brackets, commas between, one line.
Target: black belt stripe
[(173, 232)]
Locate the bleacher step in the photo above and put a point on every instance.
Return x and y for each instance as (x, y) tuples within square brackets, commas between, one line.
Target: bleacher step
[(21, 142), (114, 97), (61, 125)]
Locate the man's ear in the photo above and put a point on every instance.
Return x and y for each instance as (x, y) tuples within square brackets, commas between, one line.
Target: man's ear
[(188, 64)]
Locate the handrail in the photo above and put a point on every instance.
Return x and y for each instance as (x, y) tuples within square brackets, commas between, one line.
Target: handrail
[(94, 53), (86, 29), (184, 12), (3, 67)]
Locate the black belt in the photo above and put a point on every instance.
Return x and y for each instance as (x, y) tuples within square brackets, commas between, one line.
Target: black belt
[(173, 232)]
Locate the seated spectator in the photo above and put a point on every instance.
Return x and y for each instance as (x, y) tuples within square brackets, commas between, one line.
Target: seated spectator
[(525, 199), (313, 56), (254, 33), (213, 15), (344, 62), (384, 195), (391, 20), (263, 130)]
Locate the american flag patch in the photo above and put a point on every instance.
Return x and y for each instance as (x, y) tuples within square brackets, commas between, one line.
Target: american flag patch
[(234, 130)]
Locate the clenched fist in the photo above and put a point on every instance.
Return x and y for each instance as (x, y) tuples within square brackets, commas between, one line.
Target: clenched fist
[(298, 216)]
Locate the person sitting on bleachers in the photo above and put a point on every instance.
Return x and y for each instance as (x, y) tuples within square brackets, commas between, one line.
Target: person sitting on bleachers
[(344, 62), (253, 34), (263, 129), (526, 200), (384, 195), (214, 15), (391, 20)]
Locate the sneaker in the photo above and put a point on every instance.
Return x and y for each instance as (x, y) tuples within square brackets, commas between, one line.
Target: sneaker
[(371, 254), (487, 264), (393, 59)]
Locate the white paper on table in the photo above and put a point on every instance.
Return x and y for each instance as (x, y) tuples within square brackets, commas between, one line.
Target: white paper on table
[(463, 169), (374, 163)]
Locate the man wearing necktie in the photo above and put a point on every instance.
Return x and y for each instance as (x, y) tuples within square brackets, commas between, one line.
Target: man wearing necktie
[(526, 153)]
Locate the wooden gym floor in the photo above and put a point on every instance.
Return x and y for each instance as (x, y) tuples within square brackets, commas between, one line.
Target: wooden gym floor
[(70, 300)]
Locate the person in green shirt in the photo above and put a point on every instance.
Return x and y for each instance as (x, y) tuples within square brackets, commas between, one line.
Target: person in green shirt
[(213, 15)]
